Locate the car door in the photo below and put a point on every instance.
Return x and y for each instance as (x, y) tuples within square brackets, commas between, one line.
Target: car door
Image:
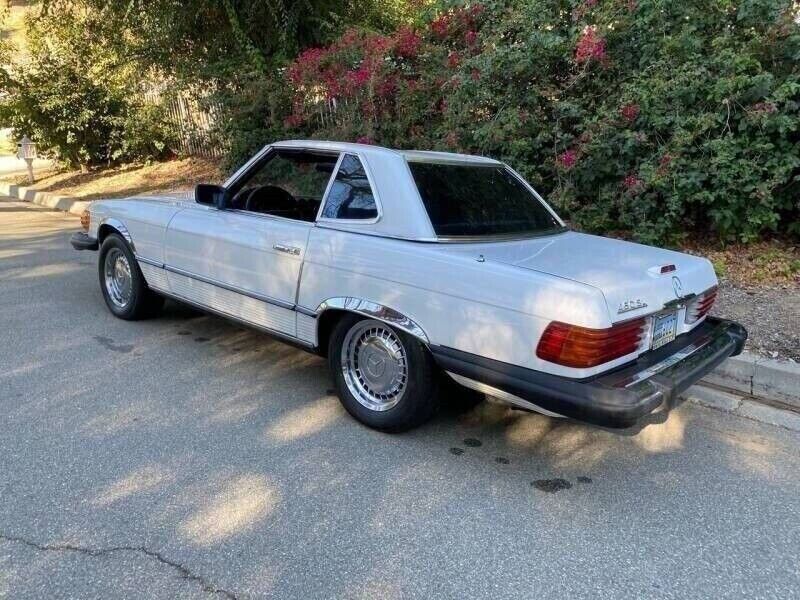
[(245, 260)]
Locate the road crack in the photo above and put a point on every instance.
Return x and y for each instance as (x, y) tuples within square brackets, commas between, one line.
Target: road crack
[(184, 572)]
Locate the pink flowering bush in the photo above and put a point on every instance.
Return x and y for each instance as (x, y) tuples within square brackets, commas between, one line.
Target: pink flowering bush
[(696, 128), (591, 46)]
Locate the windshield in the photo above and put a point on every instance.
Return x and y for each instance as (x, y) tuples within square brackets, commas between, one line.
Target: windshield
[(479, 200)]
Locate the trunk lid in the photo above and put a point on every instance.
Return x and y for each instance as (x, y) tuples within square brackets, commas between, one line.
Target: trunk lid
[(629, 275)]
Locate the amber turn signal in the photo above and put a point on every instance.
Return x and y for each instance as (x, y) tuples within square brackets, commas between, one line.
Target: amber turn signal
[(85, 219)]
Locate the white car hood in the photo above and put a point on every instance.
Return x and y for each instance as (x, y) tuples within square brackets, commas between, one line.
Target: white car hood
[(623, 271)]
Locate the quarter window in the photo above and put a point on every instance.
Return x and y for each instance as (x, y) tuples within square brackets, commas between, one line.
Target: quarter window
[(350, 196)]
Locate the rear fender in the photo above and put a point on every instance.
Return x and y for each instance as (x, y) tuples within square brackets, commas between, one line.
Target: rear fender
[(376, 311)]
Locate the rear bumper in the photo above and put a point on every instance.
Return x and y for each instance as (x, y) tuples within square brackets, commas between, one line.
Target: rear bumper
[(621, 398), (82, 241)]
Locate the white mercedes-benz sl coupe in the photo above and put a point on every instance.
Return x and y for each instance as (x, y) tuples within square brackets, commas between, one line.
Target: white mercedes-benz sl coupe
[(414, 270)]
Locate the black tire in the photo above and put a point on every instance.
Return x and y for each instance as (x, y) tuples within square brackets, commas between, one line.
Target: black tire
[(419, 400), (141, 302)]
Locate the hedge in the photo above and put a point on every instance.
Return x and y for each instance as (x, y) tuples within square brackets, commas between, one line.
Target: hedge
[(651, 118)]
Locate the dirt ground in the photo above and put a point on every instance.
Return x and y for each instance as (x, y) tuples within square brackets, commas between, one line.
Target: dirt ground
[(128, 180), (771, 315)]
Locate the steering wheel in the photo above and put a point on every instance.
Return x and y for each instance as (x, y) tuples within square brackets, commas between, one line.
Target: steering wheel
[(269, 198)]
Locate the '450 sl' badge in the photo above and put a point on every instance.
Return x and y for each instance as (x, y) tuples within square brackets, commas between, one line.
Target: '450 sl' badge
[(630, 305)]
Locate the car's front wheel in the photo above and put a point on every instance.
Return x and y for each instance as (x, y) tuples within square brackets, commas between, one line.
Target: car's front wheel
[(124, 287), (385, 378)]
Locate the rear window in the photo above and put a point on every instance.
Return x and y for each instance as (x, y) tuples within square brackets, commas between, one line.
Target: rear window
[(479, 200)]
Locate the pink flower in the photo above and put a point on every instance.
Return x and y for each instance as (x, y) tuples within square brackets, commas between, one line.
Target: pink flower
[(764, 108), (412, 85), (408, 42), (629, 112), (360, 76), (567, 159), (590, 47), (376, 45), (476, 10), (387, 87), (365, 139), (440, 26), (470, 37), (475, 74), (453, 60), (632, 183), (663, 164)]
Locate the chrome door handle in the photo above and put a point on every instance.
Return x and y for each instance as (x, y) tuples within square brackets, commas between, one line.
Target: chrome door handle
[(293, 250)]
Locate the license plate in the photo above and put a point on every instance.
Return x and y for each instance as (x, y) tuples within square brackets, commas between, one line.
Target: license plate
[(664, 330)]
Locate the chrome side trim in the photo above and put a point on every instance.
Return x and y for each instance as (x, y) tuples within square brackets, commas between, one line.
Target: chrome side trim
[(231, 288), (224, 315), (119, 226), (148, 261), (374, 311), (501, 395), (306, 311)]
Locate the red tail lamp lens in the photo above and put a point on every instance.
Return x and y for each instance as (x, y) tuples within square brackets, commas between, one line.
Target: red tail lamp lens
[(580, 347), (701, 305)]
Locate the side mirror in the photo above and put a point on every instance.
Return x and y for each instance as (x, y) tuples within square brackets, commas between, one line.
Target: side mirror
[(211, 195)]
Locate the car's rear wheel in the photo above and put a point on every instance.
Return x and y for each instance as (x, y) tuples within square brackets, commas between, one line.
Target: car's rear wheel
[(385, 378), (124, 287)]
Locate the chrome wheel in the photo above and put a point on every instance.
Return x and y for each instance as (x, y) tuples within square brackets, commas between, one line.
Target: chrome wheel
[(118, 279), (375, 365)]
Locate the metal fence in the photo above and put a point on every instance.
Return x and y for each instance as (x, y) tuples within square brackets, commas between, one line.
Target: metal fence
[(192, 121)]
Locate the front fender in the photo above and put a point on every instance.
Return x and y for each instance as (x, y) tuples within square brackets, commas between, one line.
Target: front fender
[(109, 223)]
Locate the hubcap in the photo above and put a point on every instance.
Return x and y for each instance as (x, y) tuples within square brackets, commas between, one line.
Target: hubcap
[(118, 278), (374, 365)]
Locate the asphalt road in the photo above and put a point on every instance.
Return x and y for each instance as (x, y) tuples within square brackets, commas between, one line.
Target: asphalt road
[(184, 457)]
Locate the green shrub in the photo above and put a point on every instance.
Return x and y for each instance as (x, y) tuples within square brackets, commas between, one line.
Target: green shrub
[(649, 117), (74, 96)]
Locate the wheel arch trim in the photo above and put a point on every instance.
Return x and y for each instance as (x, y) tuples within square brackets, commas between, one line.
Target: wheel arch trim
[(119, 226), (373, 310)]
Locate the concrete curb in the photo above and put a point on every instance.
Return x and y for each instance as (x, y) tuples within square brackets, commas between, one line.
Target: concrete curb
[(68, 204), (759, 377), (743, 406), (761, 389)]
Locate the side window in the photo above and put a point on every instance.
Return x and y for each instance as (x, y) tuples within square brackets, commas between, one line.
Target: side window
[(350, 196), (289, 183)]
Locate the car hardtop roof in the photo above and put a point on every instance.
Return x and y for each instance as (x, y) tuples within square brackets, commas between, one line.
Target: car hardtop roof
[(409, 155)]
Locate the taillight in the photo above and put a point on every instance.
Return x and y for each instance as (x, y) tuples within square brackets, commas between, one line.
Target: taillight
[(580, 347), (701, 305)]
